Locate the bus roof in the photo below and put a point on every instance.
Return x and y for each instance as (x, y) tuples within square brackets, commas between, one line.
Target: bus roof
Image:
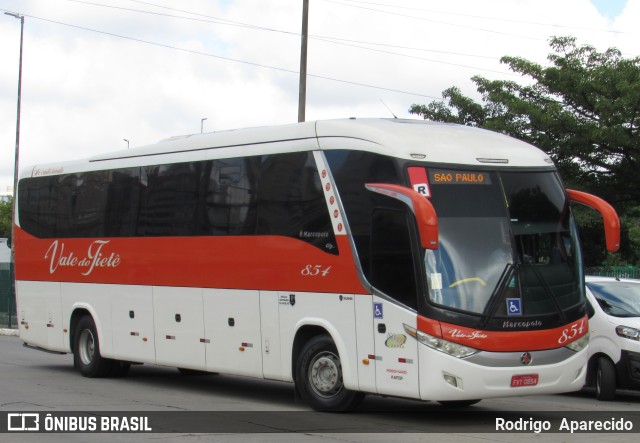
[(416, 140), (433, 142)]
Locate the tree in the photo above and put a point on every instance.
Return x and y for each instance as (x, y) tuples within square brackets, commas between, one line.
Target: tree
[(583, 110), (5, 219)]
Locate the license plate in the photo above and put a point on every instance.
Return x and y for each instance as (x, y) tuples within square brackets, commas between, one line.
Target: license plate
[(518, 381)]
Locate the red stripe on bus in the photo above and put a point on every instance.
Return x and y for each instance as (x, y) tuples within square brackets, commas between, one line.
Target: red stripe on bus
[(506, 341), (429, 326), (246, 262)]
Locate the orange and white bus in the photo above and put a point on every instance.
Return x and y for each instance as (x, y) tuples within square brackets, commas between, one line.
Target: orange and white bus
[(393, 257)]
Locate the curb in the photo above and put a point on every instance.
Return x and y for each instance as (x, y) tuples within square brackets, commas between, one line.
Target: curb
[(9, 332)]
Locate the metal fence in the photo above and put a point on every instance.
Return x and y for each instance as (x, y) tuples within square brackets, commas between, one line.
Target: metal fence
[(614, 271), (7, 296)]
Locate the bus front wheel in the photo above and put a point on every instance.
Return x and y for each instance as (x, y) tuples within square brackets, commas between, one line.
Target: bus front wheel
[(86, 352), (319, 377)]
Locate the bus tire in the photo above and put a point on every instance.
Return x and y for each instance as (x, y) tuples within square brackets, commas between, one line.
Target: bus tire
[(86, 350), (319, 377), (605, 380)]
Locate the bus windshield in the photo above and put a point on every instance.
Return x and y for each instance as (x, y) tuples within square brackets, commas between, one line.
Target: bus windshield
[(508, 246)]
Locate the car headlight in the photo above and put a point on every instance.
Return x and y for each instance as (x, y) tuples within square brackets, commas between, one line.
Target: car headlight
[(627, 332), (579, 344), (439, 344)]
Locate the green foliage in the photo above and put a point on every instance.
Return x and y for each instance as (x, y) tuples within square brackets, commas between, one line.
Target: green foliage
[(583, 110), (5, 219)]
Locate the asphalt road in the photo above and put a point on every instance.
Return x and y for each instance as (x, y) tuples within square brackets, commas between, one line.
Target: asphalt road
[(247, 410)]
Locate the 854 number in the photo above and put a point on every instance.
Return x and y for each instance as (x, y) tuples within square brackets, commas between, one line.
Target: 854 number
[(571, 332), (315, 270)]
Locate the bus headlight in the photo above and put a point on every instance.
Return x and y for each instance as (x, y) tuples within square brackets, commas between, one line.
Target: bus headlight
[(627, 332), (579, 344), (440, 344)]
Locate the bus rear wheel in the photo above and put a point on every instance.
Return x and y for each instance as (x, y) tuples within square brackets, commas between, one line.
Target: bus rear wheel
[(86, 352), (319, 377)]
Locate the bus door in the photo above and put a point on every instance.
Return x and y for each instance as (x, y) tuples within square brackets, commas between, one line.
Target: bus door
[(396, 354), (394, 303)]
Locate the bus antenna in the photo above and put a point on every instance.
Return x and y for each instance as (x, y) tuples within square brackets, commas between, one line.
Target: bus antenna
[(388, 109)]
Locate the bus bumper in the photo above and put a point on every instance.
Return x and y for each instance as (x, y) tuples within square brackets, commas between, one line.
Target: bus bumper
[(445, 378)]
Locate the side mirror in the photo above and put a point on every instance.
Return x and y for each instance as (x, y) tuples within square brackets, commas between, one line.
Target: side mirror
[(422, 209), (609, 216)]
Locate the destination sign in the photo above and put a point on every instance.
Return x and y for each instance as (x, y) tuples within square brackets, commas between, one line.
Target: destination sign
[(449, 177)]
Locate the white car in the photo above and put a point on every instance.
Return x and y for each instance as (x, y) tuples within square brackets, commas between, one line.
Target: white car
[(614, 344)]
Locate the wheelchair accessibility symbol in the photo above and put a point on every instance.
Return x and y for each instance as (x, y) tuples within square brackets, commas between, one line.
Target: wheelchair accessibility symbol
[(377, 310), (514, 306)]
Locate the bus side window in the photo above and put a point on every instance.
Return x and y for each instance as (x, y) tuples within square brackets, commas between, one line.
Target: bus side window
[(229, 196), (37, 213), (392, 263), (170, 201), (123, 202), (351, 170), (291, 201), (88, 205)]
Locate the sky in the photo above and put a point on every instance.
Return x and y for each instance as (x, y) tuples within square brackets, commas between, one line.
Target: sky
[(97, 73)]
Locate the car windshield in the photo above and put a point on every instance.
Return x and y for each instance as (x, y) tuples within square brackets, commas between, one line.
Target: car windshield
[(617, 298)]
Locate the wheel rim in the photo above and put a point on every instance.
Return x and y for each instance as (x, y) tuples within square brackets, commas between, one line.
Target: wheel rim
[(325, 376), (86, 347)]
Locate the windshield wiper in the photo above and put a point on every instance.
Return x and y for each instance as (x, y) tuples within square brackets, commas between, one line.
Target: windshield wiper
[(549, 292), (495, 299)]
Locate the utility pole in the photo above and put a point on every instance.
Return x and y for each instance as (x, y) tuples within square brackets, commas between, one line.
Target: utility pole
[(17, 150), (15, 163), (302, 93)]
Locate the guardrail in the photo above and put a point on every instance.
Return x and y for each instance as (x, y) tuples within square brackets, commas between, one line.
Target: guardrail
[(7, 296), (614, 271)]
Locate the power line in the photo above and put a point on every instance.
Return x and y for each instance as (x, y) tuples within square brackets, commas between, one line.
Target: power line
[(419, 58), (411, 48), (483, 17), (336, 40), (318, 37), (329, 39), (191, 51), (210, 19), (413, 17), (463, 26)]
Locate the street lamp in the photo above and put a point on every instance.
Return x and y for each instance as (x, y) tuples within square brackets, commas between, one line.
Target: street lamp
[(127, 142), (17, 150), (202, 124)]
